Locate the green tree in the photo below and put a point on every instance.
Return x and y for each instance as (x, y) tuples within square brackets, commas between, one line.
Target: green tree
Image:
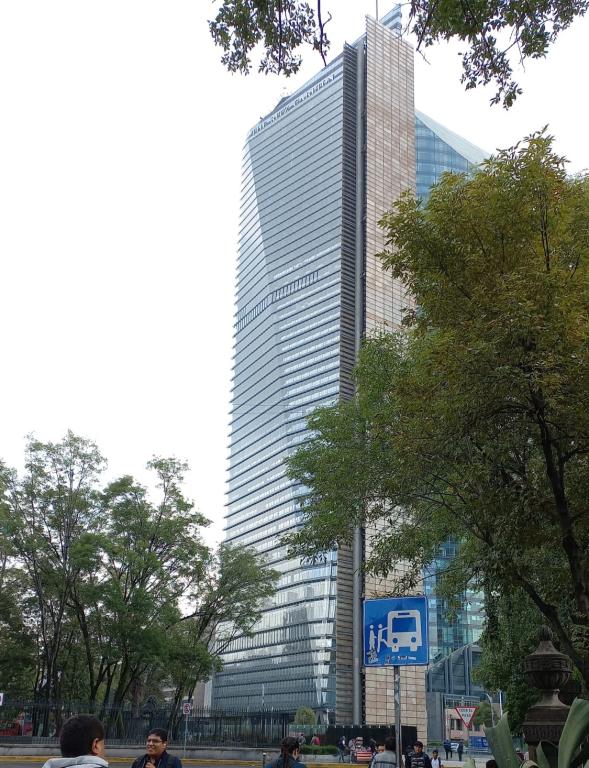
[(491, 31), (305, 716), (472, 424), (43, 516), (510, 634), (18, 657), (228, 603), (110, 594)]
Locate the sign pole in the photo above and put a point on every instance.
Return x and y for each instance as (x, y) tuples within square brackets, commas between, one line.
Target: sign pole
[(397, 700), (395, 635), (186, 710)]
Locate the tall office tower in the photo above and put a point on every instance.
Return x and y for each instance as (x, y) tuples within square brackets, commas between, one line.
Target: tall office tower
[(318, 173)]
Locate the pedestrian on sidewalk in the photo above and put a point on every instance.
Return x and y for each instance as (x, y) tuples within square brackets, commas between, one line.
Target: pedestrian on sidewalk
[(341, 748), (418, 758), (290, 751), (81, 742), (460, 749), (448, 748), (388, 758), (352, 748), (436, 759), (157, 755)]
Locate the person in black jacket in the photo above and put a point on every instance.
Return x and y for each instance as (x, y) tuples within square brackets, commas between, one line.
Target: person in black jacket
[(418, 758), (156, 755)]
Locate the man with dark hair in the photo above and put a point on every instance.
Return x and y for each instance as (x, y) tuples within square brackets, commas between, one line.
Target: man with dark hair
[(156, 755), (388, 758), (418, 758), (81, 741)]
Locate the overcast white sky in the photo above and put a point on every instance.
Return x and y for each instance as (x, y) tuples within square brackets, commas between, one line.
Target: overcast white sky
[(120, 151)]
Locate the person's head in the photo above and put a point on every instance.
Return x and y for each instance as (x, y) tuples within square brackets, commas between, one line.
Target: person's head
[(491, 764), (289, 747), (82, 735), (389, 744), (157, 741), (435, 753), (418, 746)]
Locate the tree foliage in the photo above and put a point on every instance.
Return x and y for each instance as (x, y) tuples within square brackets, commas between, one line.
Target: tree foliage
[(119, 590), (495, 34), (472, 424), (483, 716), (510, 634), (17, 659), (279, 27), (305, 716)]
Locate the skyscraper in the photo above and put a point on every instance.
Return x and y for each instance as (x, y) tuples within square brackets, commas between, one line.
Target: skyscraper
[(318, 173)]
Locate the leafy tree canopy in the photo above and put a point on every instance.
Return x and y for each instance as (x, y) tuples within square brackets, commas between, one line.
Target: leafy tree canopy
[(510, 634), (108, 593), (472, 424), (305, 716), (494, 33)]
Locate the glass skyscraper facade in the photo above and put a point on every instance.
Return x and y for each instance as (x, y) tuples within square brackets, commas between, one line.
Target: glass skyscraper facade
[(439, 150), (451, 629), (317, 174), (291, 355)]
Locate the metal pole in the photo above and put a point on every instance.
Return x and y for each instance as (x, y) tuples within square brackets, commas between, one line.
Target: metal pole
[(397, 700), (185, 733), (357, 629), (359, 311)]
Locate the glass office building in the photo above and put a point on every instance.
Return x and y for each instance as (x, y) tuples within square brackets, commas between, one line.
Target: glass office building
[(450, 630), (293, 353), (317, 174)]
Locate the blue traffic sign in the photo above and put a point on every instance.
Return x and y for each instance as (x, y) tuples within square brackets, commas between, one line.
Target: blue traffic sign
[(395, 632)]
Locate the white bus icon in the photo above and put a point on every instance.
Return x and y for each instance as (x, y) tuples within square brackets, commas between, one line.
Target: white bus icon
[(403, 630)]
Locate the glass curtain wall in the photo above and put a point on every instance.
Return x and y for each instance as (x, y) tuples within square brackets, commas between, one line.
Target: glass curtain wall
[(288, 361), (438, 150)]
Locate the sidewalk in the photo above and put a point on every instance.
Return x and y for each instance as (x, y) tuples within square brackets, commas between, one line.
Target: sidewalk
[(238, 756)]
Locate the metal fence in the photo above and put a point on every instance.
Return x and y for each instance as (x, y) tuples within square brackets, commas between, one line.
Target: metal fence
[(39, 722)]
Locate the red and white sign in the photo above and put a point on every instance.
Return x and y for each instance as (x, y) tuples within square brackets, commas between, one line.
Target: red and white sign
[(186, 708), (466, 714)]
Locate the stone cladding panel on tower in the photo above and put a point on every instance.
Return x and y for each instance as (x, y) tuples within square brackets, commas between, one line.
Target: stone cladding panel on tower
[(390, 171)]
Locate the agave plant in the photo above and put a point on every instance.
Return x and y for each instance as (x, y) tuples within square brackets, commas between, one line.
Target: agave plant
[(572, 750)]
